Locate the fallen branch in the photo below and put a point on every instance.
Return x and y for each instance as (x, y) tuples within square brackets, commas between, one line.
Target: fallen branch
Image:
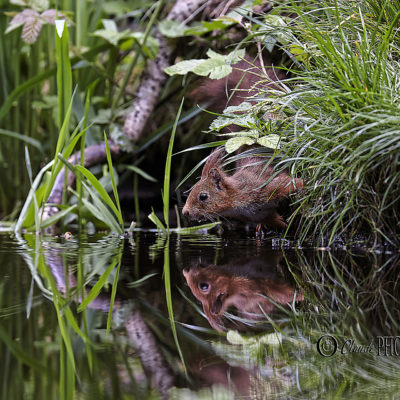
[(154, 76)]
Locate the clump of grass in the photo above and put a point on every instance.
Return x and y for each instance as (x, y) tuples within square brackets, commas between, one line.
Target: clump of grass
[(338, 115)]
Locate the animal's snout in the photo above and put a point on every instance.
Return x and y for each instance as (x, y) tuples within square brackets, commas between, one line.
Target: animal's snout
[(185, 212)]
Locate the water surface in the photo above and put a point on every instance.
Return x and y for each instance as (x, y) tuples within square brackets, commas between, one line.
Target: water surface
[(88, 318)]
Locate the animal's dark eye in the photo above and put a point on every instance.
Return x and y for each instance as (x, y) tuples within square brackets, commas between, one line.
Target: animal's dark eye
[(203, 196), (203, 286)]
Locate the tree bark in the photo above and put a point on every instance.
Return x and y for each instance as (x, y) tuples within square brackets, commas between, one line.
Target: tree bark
[(154, 76)]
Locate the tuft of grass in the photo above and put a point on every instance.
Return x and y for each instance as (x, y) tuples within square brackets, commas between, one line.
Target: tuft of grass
[(337, 115)]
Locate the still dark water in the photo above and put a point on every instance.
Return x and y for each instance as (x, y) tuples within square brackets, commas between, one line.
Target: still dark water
[(90, 318)]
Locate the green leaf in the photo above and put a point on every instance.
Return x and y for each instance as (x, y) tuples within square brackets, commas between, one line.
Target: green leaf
[(233, 144), (140, 172), (183, 67), (153, 218), (100, 190), (214, 68), (56, 217), (244, 120), (243, 106), (199, 29), (167, 173), (172, 29), (111, 36), (271, 141), (64, 73), (114, 186), (217, 66), (94, 292)]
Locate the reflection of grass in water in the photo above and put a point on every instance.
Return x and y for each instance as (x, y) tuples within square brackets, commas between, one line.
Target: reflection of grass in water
[(337, 114), (343, 295), (59, 345), (346, 297)]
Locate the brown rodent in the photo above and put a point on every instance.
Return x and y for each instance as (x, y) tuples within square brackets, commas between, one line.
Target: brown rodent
[(243, 195), (219, 288)]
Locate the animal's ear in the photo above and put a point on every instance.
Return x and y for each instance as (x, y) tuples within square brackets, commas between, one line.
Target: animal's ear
[(217, 178), (214, 161)]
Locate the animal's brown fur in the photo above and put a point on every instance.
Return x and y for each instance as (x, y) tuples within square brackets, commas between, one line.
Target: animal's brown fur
[(247, 294), (240, 85), (244, 195)]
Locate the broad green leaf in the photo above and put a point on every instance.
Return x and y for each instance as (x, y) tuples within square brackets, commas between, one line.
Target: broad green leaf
[(217, 66), (109, 25), (244, 120), (271, 141), (183, 67), (243, 106), (214, 68), (198, 29), (111, 36), (233, 144), (172, 29)]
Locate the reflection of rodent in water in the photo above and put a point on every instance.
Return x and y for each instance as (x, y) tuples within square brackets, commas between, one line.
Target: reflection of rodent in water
[(244, 195), (219, 287)]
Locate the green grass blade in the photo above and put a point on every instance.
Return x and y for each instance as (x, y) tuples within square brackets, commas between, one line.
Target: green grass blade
[(193, 229), (26, 139), (140, 172), (114, 292), (29, 168), (153, 218), (19, 353), (167, 173), (99, 210), (94, 292), (56, 217), (101, 191), (168, 295), (66, 153), (114, 186), (64, 73)]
